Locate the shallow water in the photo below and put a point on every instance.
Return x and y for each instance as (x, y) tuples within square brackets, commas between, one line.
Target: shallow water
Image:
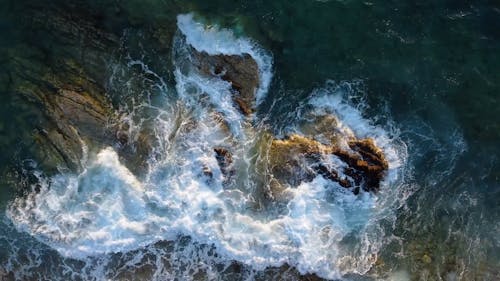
[(419, 78)]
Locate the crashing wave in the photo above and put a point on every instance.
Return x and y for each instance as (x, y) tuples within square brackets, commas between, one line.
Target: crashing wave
[(211, 177)]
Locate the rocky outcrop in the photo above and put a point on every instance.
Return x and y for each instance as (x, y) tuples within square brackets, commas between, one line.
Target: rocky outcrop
[(323, 149), (225, 161), (241, 71), (367, 165), (65, 85), (322, 128), (75, 110), (296, 159)]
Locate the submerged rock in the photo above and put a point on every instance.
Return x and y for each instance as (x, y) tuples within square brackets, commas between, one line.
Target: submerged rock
[(241, 71), (66, 84), (75, 111), (322, 128), (297, 159), (60, 77)]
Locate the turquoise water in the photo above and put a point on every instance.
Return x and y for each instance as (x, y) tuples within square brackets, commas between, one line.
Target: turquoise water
[(426, 72)]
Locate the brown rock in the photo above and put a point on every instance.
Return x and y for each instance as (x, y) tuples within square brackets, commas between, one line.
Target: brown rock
[(87, 113), (241, 71), (221, 122), (74, 111), (297, 158), (77, 116), (321, 128), (61, 83), (225, 161)]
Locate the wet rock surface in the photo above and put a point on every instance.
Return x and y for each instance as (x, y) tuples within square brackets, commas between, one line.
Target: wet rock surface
[(241, 71), (65, 84), (75, 111), (323, 149), (296, 159), (77, 114), (224, 160)]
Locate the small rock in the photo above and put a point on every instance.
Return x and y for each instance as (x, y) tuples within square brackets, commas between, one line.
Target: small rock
[(207, 172), (224, 159)]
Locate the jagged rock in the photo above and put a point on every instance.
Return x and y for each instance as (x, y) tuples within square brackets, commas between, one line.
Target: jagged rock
[(225, 161), (296, 159), (241, 71), (221, 122), (372, 162), (207, 172)]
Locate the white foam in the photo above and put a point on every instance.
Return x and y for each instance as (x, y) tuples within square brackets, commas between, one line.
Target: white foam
[(334, 99), (214, 41), (107, 209), (190, 87), (95, 212)]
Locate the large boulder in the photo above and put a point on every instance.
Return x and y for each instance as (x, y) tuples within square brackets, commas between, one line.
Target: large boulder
[(241, 71), (296, 159)]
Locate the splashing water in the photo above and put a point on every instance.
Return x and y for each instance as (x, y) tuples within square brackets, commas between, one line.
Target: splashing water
[(323, 229)]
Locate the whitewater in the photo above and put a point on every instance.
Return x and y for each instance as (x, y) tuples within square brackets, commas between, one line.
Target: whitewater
[(319, 228)]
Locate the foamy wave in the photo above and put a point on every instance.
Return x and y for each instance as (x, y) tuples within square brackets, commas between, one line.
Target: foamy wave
[(334, 99), (214, 41), (90, 213), (106, 209)]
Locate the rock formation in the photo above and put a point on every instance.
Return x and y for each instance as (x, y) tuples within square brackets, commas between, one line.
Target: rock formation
[(296, 159), (77, 114), (241, 71), (75, 111), (225, 161), (66, 86)]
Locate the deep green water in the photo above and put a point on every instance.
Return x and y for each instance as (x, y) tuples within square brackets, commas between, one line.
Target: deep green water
[(428, 70)]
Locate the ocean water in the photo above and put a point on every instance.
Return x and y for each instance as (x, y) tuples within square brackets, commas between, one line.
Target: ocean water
[(420, 78)]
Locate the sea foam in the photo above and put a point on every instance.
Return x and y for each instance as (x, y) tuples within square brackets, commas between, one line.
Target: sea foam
[(215, 41), (106, 209)]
